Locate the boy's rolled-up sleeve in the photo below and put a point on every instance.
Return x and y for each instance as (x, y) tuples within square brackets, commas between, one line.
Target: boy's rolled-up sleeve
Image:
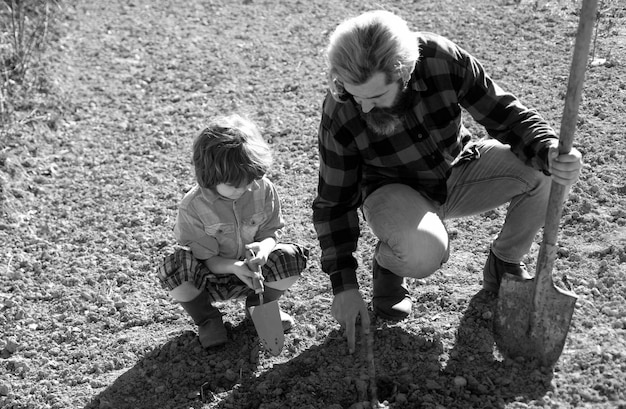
[(189, 232), (272, 209)]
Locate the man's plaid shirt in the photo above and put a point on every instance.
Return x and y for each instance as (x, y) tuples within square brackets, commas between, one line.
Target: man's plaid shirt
[(354, 162)]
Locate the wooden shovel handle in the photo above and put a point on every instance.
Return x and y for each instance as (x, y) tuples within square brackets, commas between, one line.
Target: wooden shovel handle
[(566, 137)]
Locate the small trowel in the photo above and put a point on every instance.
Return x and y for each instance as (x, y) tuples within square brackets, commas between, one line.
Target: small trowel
[(265, 316)]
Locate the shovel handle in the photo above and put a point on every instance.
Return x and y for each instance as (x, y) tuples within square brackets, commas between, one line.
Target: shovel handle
[(566, 138)]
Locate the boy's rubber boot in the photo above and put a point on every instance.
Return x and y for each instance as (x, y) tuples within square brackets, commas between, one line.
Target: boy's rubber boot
[(495, 269), (390, 299), (211, 330), (270, 294)]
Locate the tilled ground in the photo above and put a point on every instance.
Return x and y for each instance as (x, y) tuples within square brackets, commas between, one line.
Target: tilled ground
[(94, 166)]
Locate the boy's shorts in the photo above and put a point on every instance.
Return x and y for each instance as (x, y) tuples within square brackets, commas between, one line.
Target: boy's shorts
[(286, 260)]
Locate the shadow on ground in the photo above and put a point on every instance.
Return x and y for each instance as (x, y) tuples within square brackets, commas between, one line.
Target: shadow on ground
[(325, 376), (410, 372), (176, 374), (490, 380)]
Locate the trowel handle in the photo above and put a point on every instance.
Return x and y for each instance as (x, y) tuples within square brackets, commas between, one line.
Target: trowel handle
[(258, 284), (257, 279)]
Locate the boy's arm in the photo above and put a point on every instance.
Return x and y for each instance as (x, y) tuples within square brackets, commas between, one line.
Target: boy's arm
[(274, 221), (222, 265), (189, 232)]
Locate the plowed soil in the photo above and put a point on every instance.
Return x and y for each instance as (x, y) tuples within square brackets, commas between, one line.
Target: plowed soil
[(93, 166)]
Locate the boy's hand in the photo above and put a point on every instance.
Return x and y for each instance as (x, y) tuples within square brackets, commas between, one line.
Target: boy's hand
[(257, 279), (256, 255), (243, 272)]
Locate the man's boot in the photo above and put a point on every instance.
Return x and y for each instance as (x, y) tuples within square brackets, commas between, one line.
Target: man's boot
[(270, 294), (495, 269), (390, 299), (211, 330)]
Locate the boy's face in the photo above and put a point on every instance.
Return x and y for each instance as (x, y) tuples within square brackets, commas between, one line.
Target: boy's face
[(235, 192)]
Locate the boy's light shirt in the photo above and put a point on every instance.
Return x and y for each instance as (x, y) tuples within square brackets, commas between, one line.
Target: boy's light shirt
[(211, 225)]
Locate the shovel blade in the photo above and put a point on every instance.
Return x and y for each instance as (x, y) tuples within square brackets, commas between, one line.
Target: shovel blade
[(269, 327), (531, 323)]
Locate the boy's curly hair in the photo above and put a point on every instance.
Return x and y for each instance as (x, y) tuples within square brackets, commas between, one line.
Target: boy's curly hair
[(232, 151)]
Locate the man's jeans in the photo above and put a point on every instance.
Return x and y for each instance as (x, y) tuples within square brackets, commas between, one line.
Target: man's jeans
[(414, 241)]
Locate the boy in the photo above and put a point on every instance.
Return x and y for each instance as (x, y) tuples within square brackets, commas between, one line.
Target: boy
[(233, 211)]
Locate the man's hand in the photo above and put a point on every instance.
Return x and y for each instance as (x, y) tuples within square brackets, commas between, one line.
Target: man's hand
[(347, 306), (565, 168)]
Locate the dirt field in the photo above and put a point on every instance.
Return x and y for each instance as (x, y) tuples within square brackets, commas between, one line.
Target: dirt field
[(94, 163)]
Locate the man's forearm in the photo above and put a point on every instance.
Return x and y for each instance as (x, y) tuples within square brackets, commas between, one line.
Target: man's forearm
[(343, 280)]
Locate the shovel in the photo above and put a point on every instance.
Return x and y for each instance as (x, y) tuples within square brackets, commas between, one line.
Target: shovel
[(266, 316), (532, 317)]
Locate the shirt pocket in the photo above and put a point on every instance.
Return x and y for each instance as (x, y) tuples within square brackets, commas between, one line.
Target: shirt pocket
[(226, 238), (250, 226)]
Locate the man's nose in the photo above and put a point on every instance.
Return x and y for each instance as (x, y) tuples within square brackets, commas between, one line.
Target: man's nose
[(367, 106)]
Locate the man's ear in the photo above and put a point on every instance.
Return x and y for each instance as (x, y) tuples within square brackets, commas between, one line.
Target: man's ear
[(405, 75)]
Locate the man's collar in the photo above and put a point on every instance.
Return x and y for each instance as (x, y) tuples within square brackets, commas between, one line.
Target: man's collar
[(415, 83)]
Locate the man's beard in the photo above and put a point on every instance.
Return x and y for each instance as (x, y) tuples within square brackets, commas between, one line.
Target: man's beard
[(385, 121), (381, 122)]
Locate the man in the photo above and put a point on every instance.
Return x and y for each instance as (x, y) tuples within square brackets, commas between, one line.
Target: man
[(391, 142)]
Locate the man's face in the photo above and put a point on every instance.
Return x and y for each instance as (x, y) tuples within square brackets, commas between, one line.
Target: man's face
[(381, 103)]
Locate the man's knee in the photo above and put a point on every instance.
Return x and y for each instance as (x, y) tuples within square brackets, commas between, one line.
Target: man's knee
[(423, 265), (418, 259)]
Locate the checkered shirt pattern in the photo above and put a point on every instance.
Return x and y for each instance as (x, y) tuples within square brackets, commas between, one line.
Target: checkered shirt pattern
[(354, 161)]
